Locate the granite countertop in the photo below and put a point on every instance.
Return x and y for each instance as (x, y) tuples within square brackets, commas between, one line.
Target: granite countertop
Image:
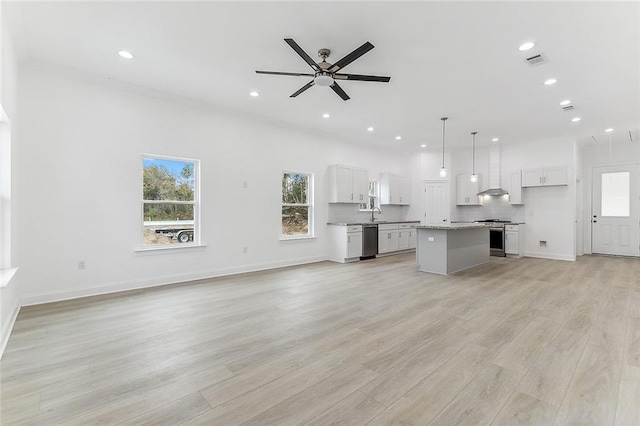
[(455, 226), (377, 222)]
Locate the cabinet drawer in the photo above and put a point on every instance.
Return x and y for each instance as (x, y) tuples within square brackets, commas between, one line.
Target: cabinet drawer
[(354, 228), (407, 225), (511, 228), (387, 226)]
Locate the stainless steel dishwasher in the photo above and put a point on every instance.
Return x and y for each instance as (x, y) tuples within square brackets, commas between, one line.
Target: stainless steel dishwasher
[(369, 241)]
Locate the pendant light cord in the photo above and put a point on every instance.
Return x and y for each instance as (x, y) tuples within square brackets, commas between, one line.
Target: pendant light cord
[(473, 147), (443, 130)]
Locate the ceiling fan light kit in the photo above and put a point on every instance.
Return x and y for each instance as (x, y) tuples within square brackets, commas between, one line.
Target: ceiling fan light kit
[(325, 74)]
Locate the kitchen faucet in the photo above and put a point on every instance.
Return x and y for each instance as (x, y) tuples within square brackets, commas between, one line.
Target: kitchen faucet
[(373, 210)]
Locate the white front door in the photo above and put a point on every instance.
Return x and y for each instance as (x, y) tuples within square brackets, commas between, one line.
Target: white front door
[(614, 215), (437, 203)]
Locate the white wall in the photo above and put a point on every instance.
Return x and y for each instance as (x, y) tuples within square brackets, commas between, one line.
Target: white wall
[(9, 295), (78, 187), (549, 211)]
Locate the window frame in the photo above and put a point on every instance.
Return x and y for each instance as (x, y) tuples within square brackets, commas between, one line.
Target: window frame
[(309, 205), (376, 196), (197, 202)]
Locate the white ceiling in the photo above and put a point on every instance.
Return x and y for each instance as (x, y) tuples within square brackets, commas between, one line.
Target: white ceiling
[(453, 59)]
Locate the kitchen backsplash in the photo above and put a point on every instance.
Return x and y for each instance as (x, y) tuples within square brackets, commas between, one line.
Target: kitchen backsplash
[(491, 208), (350, 213)]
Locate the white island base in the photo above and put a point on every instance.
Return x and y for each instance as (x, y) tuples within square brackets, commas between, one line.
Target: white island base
[(448, 249)]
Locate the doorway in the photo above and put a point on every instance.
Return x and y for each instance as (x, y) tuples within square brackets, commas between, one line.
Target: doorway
[(615, 226), (436, 203)]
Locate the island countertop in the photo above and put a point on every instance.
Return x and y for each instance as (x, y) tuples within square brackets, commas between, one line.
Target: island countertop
[(377, 222), (454, 226)]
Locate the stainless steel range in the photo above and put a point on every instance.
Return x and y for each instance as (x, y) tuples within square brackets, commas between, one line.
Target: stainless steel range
[(496, 236)]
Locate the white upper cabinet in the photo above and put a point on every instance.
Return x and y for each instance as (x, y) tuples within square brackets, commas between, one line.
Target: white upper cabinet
[(515, 190), (394, 189), (466, 191), (549, 176), (348, 184)]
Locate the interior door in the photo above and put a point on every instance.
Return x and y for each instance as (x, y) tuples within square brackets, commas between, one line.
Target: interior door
[(437, 203), (614, 216)]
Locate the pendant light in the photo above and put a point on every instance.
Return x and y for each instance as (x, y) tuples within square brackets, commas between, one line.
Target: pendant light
[(443, 170), (474, 176)]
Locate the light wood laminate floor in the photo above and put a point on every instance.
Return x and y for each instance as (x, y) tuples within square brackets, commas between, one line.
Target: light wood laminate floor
[(514, 341)]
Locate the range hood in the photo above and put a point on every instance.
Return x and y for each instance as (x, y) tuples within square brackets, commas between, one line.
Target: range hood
[(494, 174)]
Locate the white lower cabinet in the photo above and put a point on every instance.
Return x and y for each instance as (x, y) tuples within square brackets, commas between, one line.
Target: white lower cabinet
[(514, 240), (396, 237), (345, 243)]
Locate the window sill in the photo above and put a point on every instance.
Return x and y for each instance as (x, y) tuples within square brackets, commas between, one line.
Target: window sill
[(305, 237), (6, 275), (169, 250)]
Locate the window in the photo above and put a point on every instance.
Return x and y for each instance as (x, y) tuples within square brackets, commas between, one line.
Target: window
[(170, 201), (616, 194), (297, 204), (373, 200)]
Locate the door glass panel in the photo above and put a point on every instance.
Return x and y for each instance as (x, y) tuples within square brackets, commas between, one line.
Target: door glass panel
[(615, 194)]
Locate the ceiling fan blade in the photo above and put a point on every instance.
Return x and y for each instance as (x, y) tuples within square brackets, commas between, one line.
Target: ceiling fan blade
[(302, 53), (302, 89), (358, 77), (351, 57), (340, 92), (297, 74)]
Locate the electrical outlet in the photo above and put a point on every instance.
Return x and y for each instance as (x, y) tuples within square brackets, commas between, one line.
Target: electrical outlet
[(245, 249), (245, 184), (82, 264), (543, 243)]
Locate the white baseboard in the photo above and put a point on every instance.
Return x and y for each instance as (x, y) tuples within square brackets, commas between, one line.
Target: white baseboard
[(114, 287), (5, 333), (551, 256)]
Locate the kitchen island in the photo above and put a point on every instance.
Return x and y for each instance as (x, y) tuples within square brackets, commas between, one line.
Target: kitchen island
[(445, 249)]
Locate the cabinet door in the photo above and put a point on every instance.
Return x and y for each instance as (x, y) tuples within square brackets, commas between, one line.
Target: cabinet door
[(393, 240), (383, 241), (515, 190), (394, 189), (405, 191), (472, 191), (555, 176), (413, 238), (461, 190), (344, 183), (403, 239), (511, 242), (532, 177), (360, 185), (354, 244)]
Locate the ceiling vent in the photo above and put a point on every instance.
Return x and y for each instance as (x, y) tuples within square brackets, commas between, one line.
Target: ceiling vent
[(568, 108), (536, 60)]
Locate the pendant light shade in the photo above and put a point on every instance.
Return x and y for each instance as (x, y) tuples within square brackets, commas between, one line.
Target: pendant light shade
[(474, 176), (443, 170)]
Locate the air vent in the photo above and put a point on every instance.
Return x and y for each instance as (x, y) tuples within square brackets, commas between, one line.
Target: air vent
[(567, 108), (536, 60)]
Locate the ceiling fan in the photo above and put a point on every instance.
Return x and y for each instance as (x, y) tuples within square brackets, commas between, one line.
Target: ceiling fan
[(326, 74)]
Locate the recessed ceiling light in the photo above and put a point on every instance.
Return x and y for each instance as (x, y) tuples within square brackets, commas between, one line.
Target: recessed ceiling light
[(576, 119), (609, 130), (423, 146), (398, 138), (254, 94), (565, 102), (369, 129), (526, 46), (326, 115), (495, 140), (125, 54), (550, 81)]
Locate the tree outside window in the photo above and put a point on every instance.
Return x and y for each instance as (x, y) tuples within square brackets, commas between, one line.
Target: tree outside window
[(297, 214), (170, 204), (372, 200)]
